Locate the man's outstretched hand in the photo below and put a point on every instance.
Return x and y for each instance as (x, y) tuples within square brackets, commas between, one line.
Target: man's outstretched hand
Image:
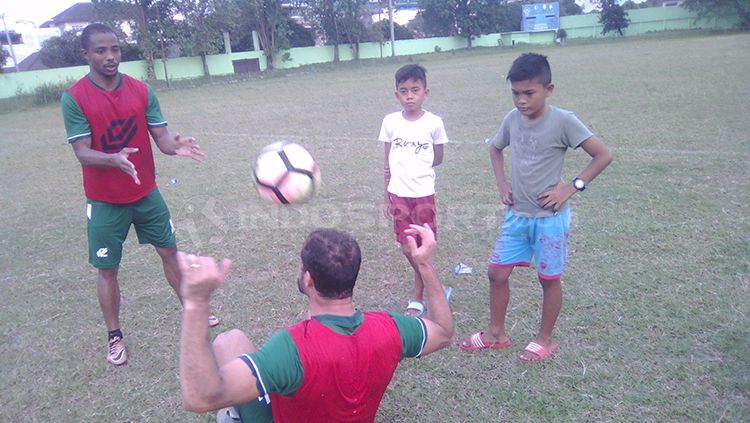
[(187, 147)]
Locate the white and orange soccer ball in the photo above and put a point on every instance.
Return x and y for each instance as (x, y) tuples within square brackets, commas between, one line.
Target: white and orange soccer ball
[(286, 173)]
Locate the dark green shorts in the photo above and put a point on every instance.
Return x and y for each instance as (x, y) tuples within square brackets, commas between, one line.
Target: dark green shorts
[(109, 224), (255, 412)]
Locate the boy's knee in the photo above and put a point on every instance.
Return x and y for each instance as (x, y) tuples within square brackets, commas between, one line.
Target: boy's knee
[(550, 283), (498, 282), (497, 278)]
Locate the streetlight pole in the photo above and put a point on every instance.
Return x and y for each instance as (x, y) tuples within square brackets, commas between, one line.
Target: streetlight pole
[(390, 18), (10, 43)]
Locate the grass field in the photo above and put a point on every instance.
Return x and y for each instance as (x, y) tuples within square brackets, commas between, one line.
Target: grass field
[(655, 325)]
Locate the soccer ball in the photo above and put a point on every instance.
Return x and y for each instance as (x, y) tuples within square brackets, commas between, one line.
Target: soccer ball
[(286, 173)]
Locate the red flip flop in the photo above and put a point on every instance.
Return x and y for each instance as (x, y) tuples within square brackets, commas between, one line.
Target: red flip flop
[(538, 350), (476, 343)]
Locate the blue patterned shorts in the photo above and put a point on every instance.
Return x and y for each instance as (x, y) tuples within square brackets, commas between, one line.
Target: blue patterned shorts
[(545, 239)]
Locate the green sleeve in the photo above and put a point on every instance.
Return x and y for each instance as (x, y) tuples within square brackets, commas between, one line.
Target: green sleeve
[(76, 125), (154, 118), (276, 365), (413, 334)]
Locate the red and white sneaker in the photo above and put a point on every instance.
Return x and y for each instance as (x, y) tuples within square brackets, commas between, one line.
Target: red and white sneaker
[(116, 353)]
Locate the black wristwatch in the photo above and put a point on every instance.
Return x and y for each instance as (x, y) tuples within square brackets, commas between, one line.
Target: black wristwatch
[(579, 184)]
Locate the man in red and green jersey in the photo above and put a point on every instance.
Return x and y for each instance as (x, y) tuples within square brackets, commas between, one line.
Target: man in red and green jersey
[(110, 119), (334, 366)]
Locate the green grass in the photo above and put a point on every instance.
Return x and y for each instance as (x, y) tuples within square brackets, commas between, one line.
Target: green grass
[(655, 323)]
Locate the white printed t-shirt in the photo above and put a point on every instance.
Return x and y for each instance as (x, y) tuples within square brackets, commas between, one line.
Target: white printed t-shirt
[(412, 152)]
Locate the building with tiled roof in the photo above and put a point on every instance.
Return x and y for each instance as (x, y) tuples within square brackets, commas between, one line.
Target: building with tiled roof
[(74, 18)]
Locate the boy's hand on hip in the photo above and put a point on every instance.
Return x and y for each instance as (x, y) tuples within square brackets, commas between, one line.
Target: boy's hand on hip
[(556, 197), (506, 194)]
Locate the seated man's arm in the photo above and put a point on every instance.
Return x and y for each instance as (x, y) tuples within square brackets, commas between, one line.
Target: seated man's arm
[(439, 325), (204, 385)]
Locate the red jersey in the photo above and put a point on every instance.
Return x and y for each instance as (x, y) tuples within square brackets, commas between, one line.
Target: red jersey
[(345, 376), (117, 119)]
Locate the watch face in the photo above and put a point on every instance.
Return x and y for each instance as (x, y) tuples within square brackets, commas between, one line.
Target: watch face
[(579, 184)]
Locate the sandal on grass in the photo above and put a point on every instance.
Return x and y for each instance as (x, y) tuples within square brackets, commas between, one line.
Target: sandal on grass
[(415, 305), (539, 350), (476, 343)]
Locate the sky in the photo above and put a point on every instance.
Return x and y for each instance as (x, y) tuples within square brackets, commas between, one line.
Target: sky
[(40, 11), (37, 11)]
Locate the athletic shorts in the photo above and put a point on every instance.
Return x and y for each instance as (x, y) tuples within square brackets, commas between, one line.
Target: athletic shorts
[(255, 411), (545, 239), (108, 226), (406, 211)]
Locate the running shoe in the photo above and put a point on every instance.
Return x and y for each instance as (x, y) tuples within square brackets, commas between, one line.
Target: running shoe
[(116, 352)]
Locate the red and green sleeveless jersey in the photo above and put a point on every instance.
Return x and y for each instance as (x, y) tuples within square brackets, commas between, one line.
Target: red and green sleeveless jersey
[(278, 364), (345, 376), (115, 119)]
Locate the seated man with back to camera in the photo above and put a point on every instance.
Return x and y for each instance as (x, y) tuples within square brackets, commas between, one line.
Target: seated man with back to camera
[(341, 354)]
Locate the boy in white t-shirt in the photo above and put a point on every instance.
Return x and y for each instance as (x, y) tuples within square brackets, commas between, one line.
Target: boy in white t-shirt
[(413, 139)]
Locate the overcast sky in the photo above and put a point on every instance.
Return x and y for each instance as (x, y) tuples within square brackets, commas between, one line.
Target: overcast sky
[(38, 11)]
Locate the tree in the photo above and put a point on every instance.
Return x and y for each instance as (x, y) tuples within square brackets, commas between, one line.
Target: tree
[(299, 36), (62, 51), (65, 50), (613, 17), (469, 18), (200, 31), (295, 35), (501, 16), (438, 17), (630, 5), (351, 15), (570, 8), (381, 31), (270, 19), (721, 8), (138, 15), (4, 55), (338, 20), (322, 13)]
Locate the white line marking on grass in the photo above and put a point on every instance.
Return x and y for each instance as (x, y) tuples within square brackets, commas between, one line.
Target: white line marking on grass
[(674, 152), (312, 137)]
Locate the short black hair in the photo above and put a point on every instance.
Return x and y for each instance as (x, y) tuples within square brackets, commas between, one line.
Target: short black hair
[(94, 28), (530, 66), (412, 71), (332, 258)]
